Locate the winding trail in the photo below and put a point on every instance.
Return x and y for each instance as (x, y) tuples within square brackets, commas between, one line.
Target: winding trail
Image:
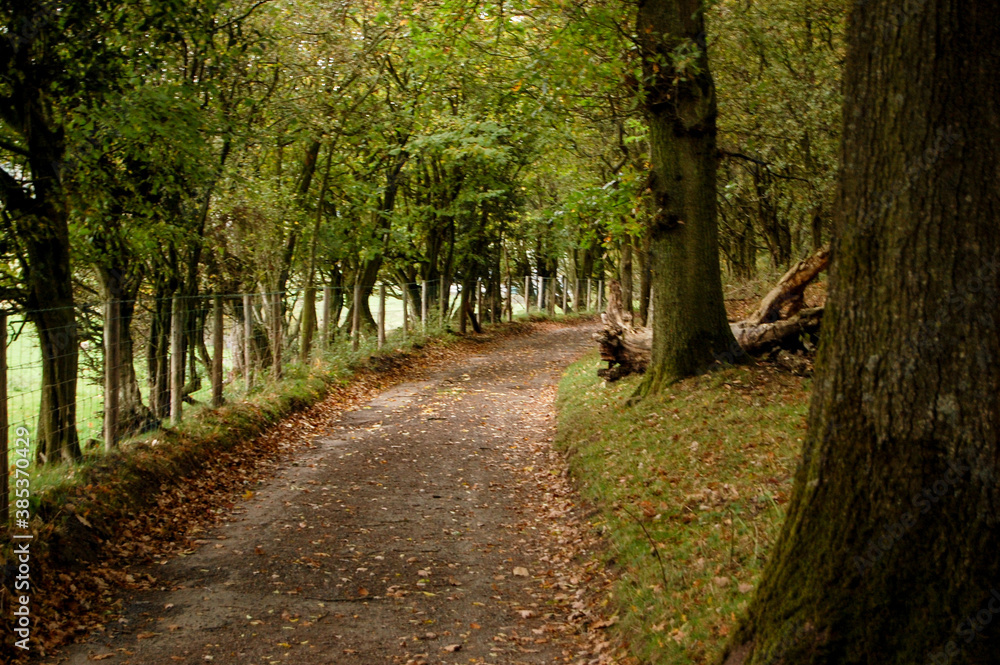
[(419, 528)]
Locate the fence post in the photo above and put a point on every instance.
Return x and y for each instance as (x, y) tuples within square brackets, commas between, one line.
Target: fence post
[(217, 353), (406, 302), (176, 361), (493, 290), (590, 284), (600, 294), (527, 294), (510, 299), (541, 293), (565, 293), (276, 334), (248, 341), (480, 301), (551, 301), (423, 305), (444, 294), (381, 315), (327, 311), (4, 439), (112, 365), (356, 318), (462, 309)]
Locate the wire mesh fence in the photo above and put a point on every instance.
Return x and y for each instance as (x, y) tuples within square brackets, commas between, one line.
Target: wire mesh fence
[(119, 369)]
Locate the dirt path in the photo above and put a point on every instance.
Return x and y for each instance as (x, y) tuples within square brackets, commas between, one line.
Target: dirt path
[(417, 529)]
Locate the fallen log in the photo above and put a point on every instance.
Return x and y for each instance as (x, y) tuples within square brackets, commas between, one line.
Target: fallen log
[(779, 319), (760, 337), (790, 289), (626, 348)]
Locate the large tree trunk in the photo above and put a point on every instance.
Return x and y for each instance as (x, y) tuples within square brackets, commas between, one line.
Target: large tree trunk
[(51, 309), (889, 549), (690, 330), (123, 284), (57, 435)]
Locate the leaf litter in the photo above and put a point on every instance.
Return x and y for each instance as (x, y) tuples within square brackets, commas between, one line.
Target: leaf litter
[(565, 591)]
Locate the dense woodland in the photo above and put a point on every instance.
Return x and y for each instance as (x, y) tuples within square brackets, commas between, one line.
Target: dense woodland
[(152, 150), (169, 148)]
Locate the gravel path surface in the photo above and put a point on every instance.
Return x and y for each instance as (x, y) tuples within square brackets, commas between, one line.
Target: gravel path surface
[(419, 528)]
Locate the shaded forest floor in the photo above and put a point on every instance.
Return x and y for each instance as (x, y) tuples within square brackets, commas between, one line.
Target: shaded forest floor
[(690, 489), (431, 524)]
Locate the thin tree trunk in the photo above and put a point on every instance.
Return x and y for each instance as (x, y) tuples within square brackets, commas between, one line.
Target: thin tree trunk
[(625, 274), (645, 275), (888, 552)]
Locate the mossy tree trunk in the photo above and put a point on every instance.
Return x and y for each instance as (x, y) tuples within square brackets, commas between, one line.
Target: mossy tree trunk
[(690, 330), (889, 550)]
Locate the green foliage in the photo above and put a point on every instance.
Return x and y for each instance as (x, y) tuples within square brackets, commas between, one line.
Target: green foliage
[(239, 146)]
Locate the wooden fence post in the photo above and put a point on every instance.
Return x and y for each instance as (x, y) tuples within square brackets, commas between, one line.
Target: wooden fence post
[(481, 300), (248, 341), (590, 284), (541, 293), (327, 312), (276, 334), (112, 365), (463, 305), (527, 294), (217, 339), (381, 315), (356, 318), (491, 300), (444, 293), (4, 436), (565, 293), (600, 294), (551, 296), (510, 299), (423, 305), (176, 361), (406, 302)]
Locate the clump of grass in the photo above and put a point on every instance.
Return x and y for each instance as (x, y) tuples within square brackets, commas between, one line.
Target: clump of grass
[(690, 489)]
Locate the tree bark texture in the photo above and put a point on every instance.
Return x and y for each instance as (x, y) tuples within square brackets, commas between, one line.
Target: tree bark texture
[(690, 329), (888, 553)]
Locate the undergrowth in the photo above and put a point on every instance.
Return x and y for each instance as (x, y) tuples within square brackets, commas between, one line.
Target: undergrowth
[(689, 489)]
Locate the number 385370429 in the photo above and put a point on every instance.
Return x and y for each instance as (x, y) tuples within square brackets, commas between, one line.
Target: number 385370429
[(22, 482)]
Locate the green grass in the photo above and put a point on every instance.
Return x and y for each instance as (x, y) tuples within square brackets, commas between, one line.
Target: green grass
[(690, 489)]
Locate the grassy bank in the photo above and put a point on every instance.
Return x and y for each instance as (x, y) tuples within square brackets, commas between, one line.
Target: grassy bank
[(690, 489)]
